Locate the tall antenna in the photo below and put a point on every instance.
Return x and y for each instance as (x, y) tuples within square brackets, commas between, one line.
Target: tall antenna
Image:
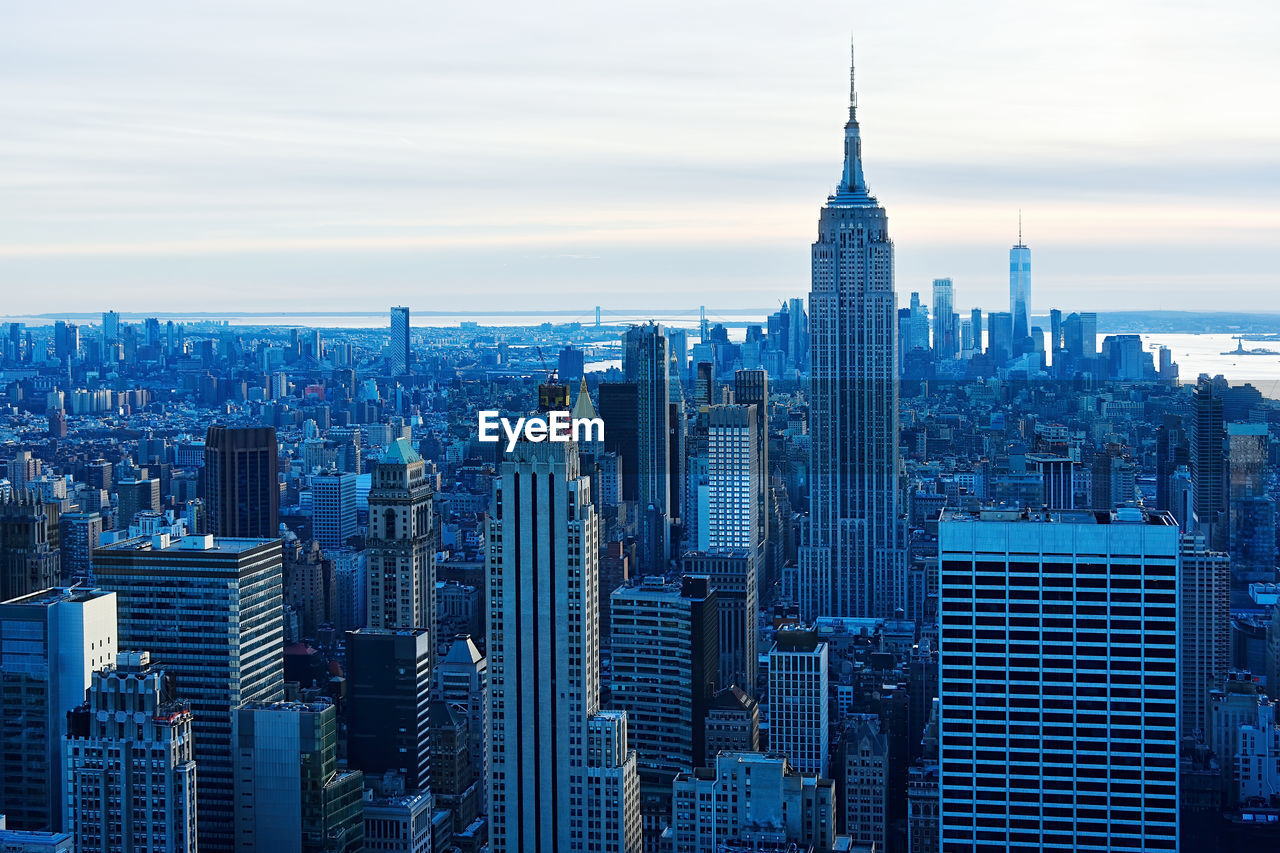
[(853, 92), (1019, 226)]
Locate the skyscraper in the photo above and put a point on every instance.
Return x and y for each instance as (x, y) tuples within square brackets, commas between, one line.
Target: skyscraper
[(1204, 629), (333, 508), (461, 680), (666, 658), (1020, 288), (561, 777), (242, 482), (645, 363), (389, 689), (290, 795), (30, 545), (1060, 734), (729, 508), (1209, 470), (946, 341), (400, 356), (130, 770), (402, 588), (751, 388), (51, 642), (798, 700), (853, 565), (210, 612)]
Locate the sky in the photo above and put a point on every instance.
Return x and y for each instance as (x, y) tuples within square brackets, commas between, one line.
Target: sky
[(318, 156)]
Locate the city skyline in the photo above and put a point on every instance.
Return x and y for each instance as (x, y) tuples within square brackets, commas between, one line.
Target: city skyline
[(327, 166)]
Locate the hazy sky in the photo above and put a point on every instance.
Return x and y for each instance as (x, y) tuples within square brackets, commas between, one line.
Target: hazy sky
[(324, 156)]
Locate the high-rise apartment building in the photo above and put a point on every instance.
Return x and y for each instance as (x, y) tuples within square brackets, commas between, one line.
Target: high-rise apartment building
[(399, 354), (51, 642), (242, 482), (1059, 685), (400, 541), (561, 777), (733, 723), (210, 613), (798, 700), (666, 658), (333, 508), (751, 388), (130, 770), (1208, 439), (854, 563), (1204, 629), (79, 533), (645, 363), (946, 340), (290, 795), (388, 694)]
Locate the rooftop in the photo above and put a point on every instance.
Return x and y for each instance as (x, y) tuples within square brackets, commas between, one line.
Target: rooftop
[(1121, 515)]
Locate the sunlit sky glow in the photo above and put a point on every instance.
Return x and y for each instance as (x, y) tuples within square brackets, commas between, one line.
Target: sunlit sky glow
[(323, 156)]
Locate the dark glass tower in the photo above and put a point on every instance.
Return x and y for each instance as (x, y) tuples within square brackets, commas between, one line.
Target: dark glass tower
[(242, 482)]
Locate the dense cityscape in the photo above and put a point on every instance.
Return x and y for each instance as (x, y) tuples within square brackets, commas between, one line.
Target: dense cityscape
[(855, 578)]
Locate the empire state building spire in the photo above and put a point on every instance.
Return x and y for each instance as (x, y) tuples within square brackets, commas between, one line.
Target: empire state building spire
[(853, 186)]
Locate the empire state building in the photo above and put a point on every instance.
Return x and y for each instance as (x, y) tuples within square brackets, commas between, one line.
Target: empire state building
[(853, 562)]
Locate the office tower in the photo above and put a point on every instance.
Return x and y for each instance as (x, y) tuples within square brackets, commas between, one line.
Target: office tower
[(733, 576), (453, 779), (130, 770), (645, 363), (853, 564), (79, 533), (1000, 343), (230, 589), (388, 691), (30, 545), (619, 408), (1172, 452), (1060, 734), (560, 776), (1055, 330), (290, 795), (945, 341), (51, 641), (753, 801), (309, 587), (1204, 628), (678, 347), (571, 365), (400, 542), (333, 513), (862, 781), (1247, 470), (1208, 439), (799, 334), (729, 508), (1089, 333), (666, 657), (400, 355), (966, 338), (975, 321), (136, 495), (919, 325), (751, 388), (798, 701), (110, 327), (66, 341), (98, 474), (461, 681), (1020, 288), (242, 482), (733, 724), (1057, 475)]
